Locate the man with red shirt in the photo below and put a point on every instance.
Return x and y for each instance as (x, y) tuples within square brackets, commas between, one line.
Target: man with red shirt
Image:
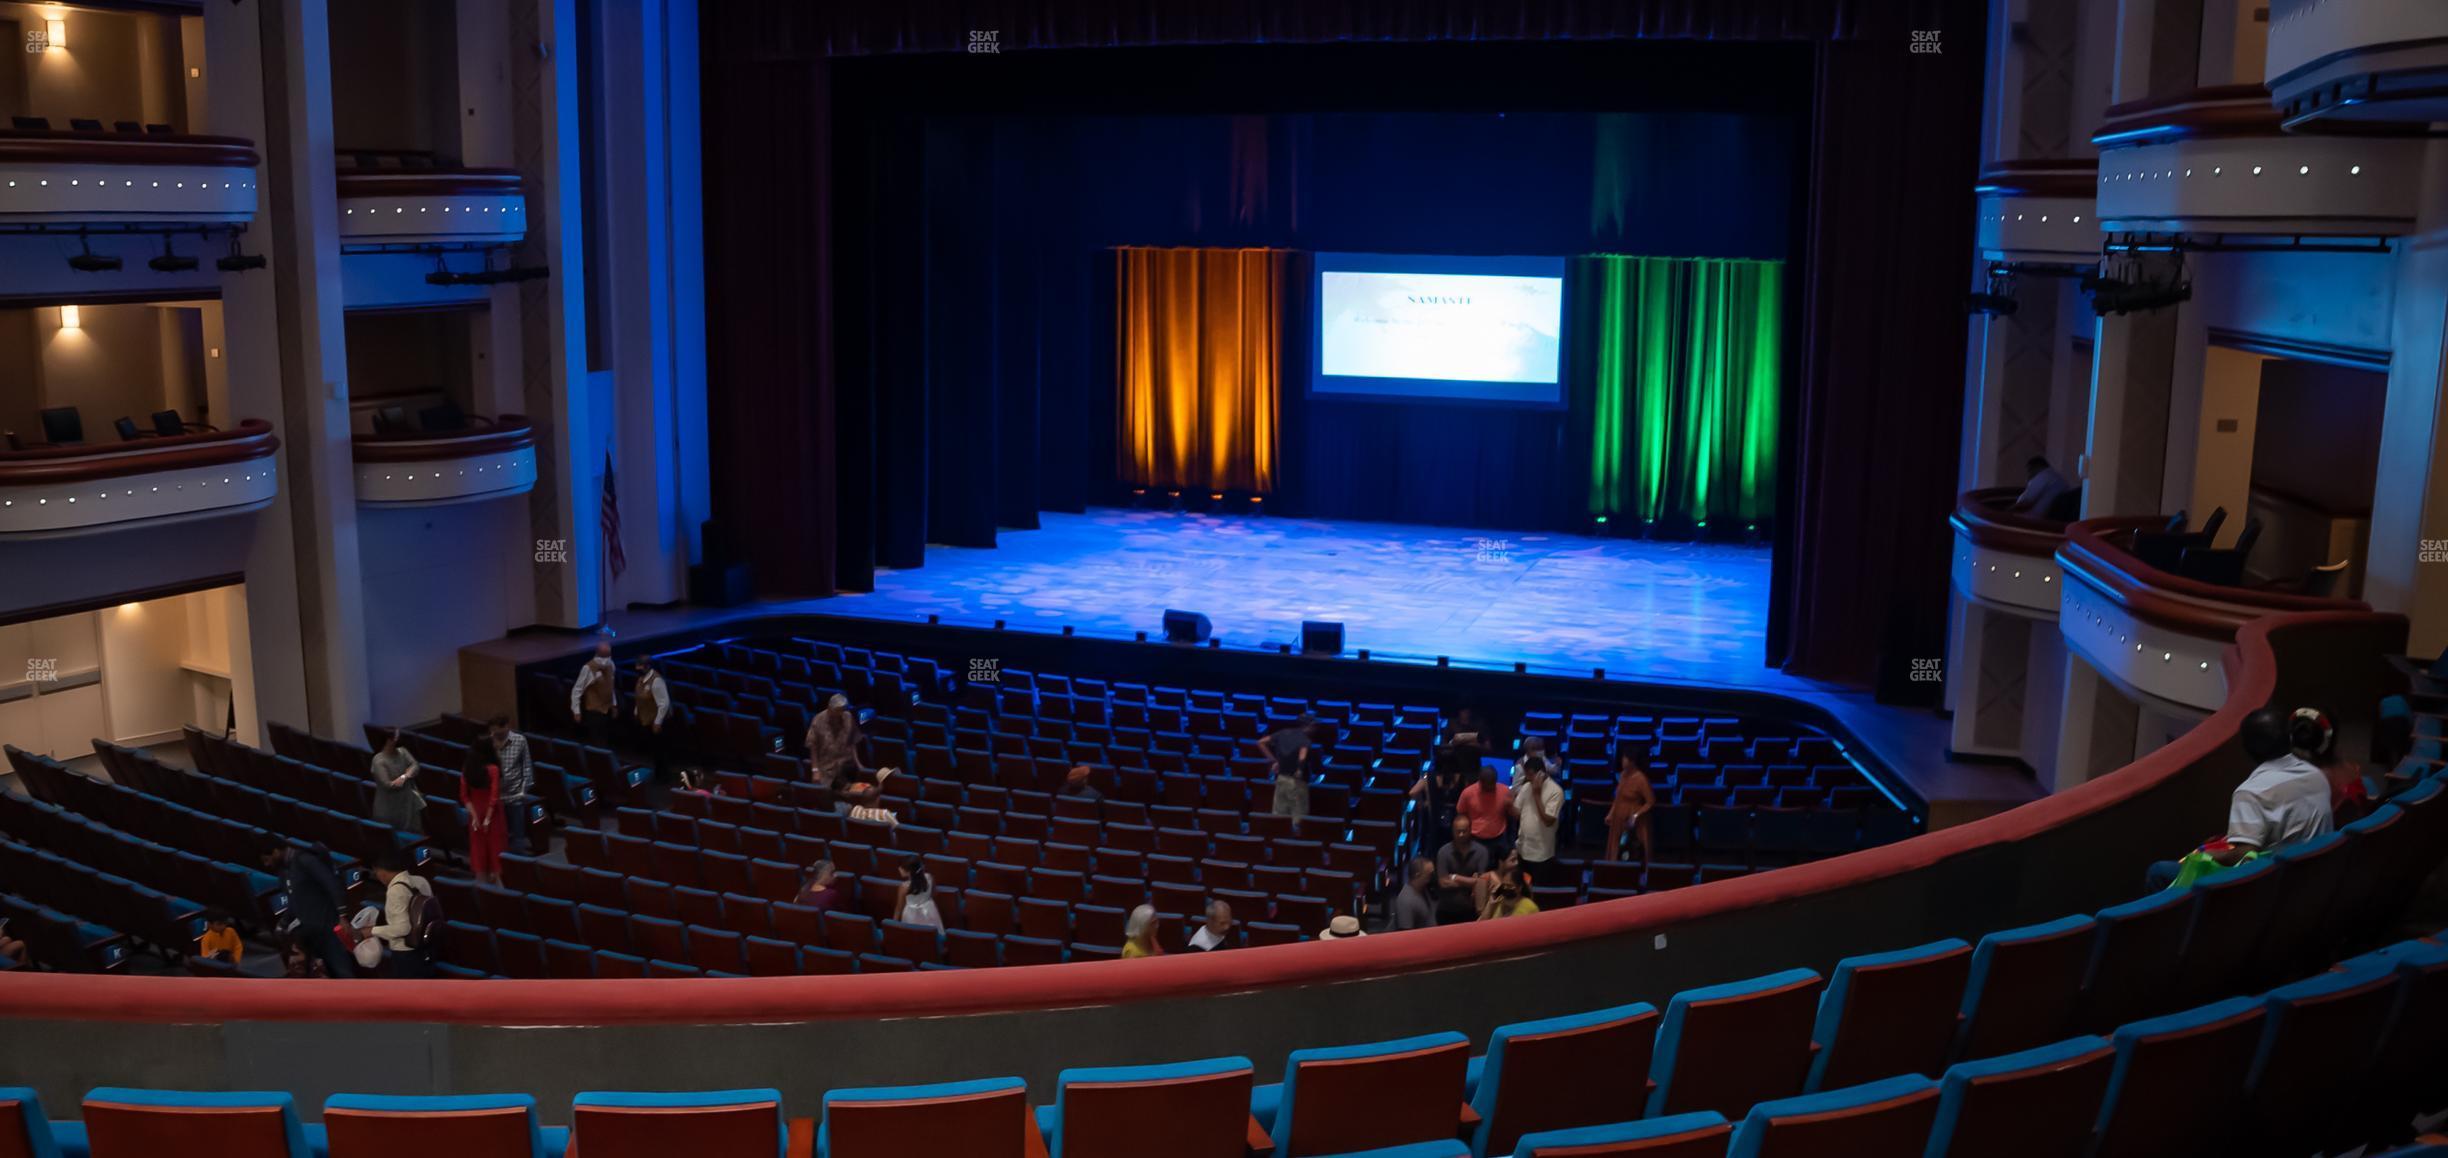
[(1487, 805)]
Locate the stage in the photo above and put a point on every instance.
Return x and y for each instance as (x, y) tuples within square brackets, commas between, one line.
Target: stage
[(1687, 613)]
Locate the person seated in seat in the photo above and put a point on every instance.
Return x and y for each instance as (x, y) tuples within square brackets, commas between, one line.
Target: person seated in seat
[(1217, 932), (1510, 896), (2041, 492), (821, 892), (219, 941), (2284, 801), (1459, 866), (12, 950), (1080, 784), (1139, 934)]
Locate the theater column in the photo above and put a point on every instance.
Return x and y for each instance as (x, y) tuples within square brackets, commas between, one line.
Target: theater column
[(270, 82), (563, 399), (2407, 564), (2137, 361), (2096, 731), (650, 286)]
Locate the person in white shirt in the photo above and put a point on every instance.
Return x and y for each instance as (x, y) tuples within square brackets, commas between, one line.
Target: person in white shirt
[(1217, 932), (2047, 485), (2286, 798), (591, 698), (653, 707), (1538, 803)]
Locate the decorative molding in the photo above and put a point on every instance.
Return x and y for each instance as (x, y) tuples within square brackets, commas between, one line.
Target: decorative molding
[(69, 178), (2216, 161), (427, 470), (431, 207)]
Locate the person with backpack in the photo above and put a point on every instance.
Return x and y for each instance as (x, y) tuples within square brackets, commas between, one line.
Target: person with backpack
[(412, 918)]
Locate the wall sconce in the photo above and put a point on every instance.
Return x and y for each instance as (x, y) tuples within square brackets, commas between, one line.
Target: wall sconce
[(55, 33), (70, 319)]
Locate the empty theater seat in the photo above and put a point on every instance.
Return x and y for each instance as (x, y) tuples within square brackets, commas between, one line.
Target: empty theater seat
[(1201, 1109), (1696, 1135), (464, 1126), (2178, 1086), (1558, 1073), (1363, 1097), (2023, 986), (987, 1118), (2132, 959), (2035, 1102), (1726, 1047), (2323, 1035), (1889, 1013), (125, 1123), (713, 1122), (26, 1132), (1891, 1116)]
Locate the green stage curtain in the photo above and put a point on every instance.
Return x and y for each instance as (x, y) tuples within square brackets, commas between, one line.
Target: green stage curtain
[(1681, 360), (1201, 344)]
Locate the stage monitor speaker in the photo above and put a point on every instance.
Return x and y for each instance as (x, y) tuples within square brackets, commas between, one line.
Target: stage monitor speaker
[(1321, 637), (1186, 627)]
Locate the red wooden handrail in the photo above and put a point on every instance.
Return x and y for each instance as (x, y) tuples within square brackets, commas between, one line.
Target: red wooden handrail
[(250, 439), (2095, 552), (1983, 515), (509, 432), (26, 146)]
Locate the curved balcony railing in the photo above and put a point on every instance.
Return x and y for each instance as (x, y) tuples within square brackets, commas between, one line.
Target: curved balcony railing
[(2040, 212), (417, 207), (2158, 633), (88, 178), (2362, 61), (2217, 161), (430, 469), (58, 490), (2004, 558)]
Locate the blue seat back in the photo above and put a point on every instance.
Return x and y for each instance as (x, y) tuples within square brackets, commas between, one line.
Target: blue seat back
[(1560, 1073), (2037, 1101), (2178, 1083), (1889, 1013), (1889, 1116)]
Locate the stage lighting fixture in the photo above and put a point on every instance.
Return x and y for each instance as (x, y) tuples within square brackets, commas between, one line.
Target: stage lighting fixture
[(239, 262), (170, 260), (1997, 300), (90, 262), (2123, 285)]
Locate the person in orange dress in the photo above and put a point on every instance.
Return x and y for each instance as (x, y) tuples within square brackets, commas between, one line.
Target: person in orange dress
[(1630, 808)]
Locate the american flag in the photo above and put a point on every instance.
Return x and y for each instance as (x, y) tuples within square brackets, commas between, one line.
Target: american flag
[(614, 555)]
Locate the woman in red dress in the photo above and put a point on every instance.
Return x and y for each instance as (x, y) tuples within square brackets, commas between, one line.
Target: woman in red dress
[(488, 825)]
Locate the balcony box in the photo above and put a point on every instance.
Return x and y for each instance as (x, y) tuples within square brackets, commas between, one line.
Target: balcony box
[(73, 180), (97, 487), (2360, 62), (2039, 213), (2005, 560), (2214, 163), (425, 470), (427, 207)]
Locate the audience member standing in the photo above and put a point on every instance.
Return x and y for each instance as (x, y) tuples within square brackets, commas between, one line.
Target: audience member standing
[(405, 927), (1437, 792), (1413, 906), (653, 706), (518, 779), (917, 905), (1458, 867), (1288, 749), (1539, 801), (833, 741), (316, 901), (593, 699), (396, 800), (1630, 808), (1139, 933), (1487, 806), (480, 792)]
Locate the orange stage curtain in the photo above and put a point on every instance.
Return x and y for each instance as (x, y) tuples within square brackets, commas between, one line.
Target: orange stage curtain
[(1201, 342)]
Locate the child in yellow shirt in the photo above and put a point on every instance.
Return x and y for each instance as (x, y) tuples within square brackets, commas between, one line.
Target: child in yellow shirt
[(219, 939)]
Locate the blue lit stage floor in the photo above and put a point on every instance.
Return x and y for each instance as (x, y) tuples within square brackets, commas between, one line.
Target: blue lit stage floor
[(1670, 612)]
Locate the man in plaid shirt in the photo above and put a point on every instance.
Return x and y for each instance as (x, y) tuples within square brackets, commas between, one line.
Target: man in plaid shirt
[(517, 780)]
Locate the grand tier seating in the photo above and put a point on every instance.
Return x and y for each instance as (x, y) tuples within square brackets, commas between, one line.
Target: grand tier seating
[(2346, 1056)]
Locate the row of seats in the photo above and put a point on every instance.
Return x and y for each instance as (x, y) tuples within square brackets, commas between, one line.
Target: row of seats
[(64, 941), (2322, 1063), (597, 768), (152, 818), (248, 895), (27, 124), (207, 790), (168, 923), (65, 426)]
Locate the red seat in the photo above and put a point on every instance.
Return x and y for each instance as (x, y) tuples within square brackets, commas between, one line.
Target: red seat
[(1365, 1097), (1560, 1073), (607, 1125), (849, 932), (480, 1126), (980, 1119), (1202, 1109), (1891, 1116), (2180, 1081), (122, 1123), (987, 912), (920, 944), (1727, 1047)]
